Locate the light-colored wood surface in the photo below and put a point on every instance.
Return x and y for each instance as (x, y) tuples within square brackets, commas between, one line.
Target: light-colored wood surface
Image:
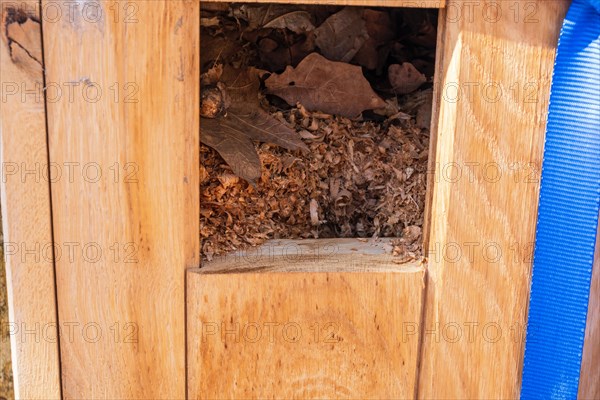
[(313, 255), (26, 205), (433, 130), (368, 3), (7, 390), (135, 229), (483, 222), (281, 334), (589, 381)]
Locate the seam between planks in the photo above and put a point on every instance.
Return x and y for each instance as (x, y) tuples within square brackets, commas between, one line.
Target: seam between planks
[(427, 225), (46, 125)]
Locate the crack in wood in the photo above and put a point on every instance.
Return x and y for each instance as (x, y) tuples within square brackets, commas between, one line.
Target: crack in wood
[(18, 16)]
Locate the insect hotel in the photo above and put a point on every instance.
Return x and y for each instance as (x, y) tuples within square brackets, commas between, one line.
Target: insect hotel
[(294, 199)]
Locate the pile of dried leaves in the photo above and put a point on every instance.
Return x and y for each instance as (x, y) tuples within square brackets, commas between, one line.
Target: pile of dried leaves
[(315, 123)]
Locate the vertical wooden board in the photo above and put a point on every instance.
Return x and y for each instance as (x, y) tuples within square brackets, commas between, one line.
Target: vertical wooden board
[(7, 389), (589, 380), (435, 112), (497, 61), (26, 205), (303, 335), (124, 127)]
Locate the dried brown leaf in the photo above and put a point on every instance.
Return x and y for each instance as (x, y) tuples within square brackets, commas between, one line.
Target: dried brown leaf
[(247, 115), (367, 56), (295, 21), (216, 49), (231, 135), (274, 57), (328, 86), (380, 30), (259, 125), (235, 147), (405, 78), (259, 16), (342, 35), (277, 56), (379, 25)]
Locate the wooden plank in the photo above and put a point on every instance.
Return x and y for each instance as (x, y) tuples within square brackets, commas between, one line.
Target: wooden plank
[(589, 380), (366, 3), (488, 158), (130, 210), (7, 390), (26, 205), (320, 333), (311, 255), (433, 130)]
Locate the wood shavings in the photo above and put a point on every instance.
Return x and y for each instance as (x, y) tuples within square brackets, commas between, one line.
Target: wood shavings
[(359, 179)]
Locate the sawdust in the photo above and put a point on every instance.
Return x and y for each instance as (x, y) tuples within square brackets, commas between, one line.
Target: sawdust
[(366, 178)]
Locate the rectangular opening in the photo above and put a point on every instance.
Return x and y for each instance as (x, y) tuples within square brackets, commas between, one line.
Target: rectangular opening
[(315, 131)]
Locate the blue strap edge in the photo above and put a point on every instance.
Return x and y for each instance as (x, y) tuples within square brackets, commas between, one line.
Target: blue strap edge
[(568, 213)]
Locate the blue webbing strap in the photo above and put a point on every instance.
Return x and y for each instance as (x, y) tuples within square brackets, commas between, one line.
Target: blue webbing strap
[(568, 212)]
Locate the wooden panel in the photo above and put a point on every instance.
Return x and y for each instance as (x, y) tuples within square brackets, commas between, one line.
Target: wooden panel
[(435, 113), (130, 211), (26, 205), (326, 334), (488, 158), (311, 255), (7, 390), (368, 3), (589, 381)]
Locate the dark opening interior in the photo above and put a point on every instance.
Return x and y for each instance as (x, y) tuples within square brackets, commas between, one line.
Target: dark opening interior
[(314, 124)]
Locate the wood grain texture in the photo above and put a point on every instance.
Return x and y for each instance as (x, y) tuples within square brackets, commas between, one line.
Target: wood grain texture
[(7, 389), (26, 205), (433, 130), (589, 380), (281, 334), (134, 229), (488, 158), (367, 3), (312, 255)]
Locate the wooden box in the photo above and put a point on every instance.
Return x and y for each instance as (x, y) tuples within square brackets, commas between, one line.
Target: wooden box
[(99, 125)]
